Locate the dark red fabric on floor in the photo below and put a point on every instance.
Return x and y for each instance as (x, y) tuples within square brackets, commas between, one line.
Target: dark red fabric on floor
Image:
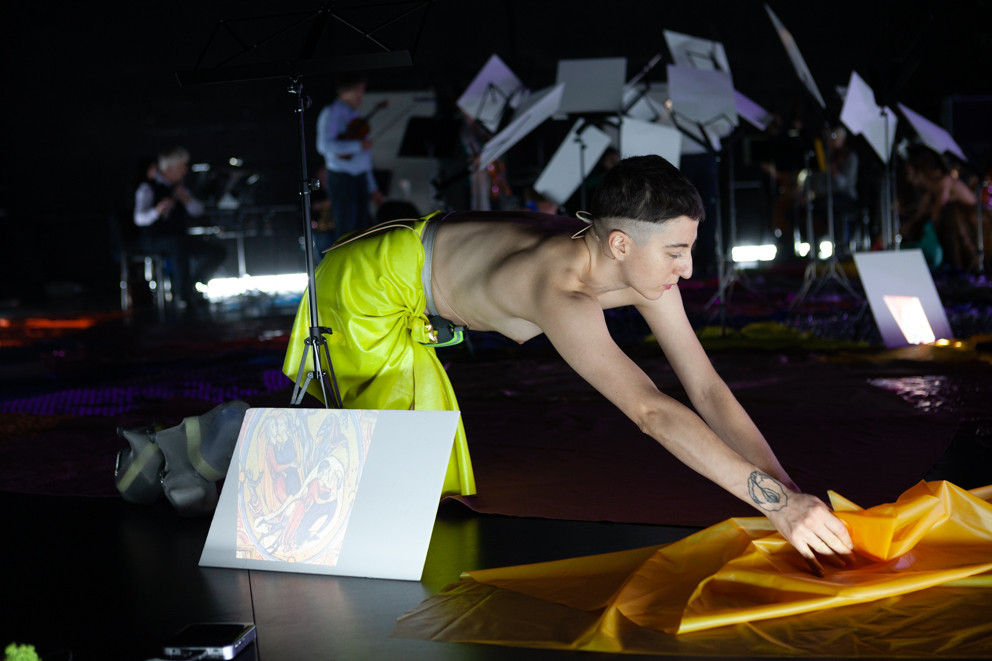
[(544, 444)]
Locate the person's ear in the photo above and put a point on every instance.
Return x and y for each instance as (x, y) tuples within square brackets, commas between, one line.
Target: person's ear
[(618, 244)]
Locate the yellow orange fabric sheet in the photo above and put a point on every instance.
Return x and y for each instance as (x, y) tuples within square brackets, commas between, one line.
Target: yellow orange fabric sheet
[(921, 585), (370, 295)]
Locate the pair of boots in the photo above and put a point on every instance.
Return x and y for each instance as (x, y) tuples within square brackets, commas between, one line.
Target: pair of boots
[(183, 462)]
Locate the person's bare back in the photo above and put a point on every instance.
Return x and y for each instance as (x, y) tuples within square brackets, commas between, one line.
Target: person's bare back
[(491, 275)]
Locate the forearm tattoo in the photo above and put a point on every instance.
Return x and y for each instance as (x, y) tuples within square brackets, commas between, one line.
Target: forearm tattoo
[(766, 492)]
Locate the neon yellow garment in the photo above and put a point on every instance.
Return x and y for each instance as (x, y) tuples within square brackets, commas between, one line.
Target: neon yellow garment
[(369, 294), (921, 585)]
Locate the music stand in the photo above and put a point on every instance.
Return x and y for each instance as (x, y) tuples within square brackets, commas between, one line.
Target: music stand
[(832, 271), (877, 125), (294, 70), (560, 178), (538, 107), (489, 94), (705, 108), (593, 92)]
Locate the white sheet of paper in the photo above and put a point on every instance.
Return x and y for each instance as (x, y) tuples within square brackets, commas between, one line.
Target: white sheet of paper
[(863, 116), (798, 63), (534, 111), (330, 491), (757, 116), (592, 85), (492, 89), (639, 138), (904, 274), (695, 52), (705, 98), (566, 170), (932, 135)]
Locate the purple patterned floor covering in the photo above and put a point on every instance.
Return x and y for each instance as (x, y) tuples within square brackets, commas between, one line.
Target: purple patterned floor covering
[(866, 423)]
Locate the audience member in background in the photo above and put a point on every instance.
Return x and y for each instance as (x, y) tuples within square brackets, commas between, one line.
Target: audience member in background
[(163, 208), (342, 139)]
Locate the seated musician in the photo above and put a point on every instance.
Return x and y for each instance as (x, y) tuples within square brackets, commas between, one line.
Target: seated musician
[(163, 209)]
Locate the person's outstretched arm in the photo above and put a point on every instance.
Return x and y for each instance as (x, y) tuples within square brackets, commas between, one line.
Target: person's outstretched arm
[(742, 463)]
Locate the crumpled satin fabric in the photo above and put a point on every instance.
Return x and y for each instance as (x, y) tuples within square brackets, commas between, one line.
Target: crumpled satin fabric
[(921, 584), (370, 295)]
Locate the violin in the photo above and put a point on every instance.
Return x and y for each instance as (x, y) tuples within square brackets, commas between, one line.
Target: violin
[(358, 128)]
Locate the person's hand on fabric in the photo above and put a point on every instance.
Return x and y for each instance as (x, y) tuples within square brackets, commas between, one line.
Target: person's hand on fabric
[(808, 524)]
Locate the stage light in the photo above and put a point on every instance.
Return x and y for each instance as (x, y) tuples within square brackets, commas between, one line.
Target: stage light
[(826, 249), (219, 289), (762, 253), (200, 167), (235, 162)]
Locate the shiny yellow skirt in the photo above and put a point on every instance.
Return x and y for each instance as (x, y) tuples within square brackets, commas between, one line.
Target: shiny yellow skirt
[(369, 293)]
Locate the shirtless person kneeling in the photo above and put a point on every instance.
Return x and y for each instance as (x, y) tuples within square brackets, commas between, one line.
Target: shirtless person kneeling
[(523, 274)]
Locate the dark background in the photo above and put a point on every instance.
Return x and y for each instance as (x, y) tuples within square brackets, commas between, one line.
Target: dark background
[(89, 90)]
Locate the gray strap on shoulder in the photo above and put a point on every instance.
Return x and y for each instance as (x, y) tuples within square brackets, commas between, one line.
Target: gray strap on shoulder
[(425, 274)]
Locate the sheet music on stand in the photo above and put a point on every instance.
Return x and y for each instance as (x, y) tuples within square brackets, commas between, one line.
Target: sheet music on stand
[(755, 115), (696, 53), (489, 94), (594, 85), (877, 125), (798, 63), (538, 108), (864, 117), (703, 98), (567, 169), (932, 135)]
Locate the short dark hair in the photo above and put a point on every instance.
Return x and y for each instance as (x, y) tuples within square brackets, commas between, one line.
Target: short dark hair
[(646, 188), (348, 80)]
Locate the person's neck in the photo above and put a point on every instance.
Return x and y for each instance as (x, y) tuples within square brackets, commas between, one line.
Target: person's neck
[(601, 272)]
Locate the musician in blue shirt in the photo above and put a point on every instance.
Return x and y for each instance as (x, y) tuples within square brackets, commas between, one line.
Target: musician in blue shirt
[(342, 139)]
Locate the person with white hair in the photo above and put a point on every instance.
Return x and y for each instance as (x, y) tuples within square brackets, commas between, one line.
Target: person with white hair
[(163, 209)]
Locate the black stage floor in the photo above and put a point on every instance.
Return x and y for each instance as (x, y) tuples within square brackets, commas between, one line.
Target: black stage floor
[(102, 580), (86, 576)]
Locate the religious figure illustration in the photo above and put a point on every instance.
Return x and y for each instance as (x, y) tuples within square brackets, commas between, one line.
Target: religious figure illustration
[(297, 483)]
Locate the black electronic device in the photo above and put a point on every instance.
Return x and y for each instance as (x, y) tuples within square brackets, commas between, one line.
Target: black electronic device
[(210, 640)]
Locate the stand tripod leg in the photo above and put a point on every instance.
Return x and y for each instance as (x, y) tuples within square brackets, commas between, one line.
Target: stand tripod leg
[(328, 386), (299, 389)]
